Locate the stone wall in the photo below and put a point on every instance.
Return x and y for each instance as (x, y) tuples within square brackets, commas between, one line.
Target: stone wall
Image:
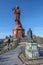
[(8, 44)]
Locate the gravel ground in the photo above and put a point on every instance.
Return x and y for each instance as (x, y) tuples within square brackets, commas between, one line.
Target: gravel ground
[(11, 57)]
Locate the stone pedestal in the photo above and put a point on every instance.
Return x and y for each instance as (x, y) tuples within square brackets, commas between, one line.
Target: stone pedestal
[(31, 50)]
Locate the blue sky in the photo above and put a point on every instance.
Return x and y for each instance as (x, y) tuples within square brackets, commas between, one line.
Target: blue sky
[(31, 16)]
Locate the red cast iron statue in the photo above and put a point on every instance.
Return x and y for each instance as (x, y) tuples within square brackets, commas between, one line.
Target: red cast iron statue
[(18, 31)]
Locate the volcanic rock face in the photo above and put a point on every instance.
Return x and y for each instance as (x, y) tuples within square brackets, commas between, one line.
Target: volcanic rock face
[(18, 31)]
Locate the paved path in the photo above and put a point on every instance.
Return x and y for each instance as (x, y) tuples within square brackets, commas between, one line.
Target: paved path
[(11, 57)]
